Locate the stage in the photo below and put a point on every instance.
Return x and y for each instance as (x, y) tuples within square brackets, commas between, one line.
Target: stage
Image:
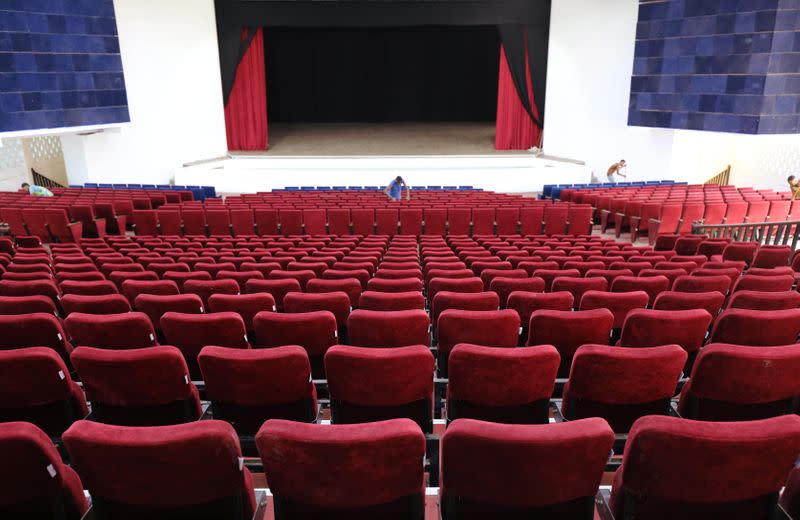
[(382, 139), (515, 172)]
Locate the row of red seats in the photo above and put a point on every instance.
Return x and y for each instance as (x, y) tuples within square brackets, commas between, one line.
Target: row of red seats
[(675, 192), (79, 221), (195, 470)]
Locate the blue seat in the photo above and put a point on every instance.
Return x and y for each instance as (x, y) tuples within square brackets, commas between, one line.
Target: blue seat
[(134, 186), (371, 188), (211, 191), (198, 194), (181, 188), (418, 188), (75, 186), (148, 186), (120, 186), (106, 185), (667, 182), (91, 185), (355, 188), (556, 193), (547, 190), (595, 185), (465, 188), (434, 187), (306, 188), (292, 188), (323, 188), (449, 187), (340, 188)]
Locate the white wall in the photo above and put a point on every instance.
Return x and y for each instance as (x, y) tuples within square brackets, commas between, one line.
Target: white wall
[(171, 64), (588, 90), (13, 170)]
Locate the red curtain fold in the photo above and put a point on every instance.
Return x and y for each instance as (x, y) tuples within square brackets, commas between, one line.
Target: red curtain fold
[(246, 111), (515, 128)]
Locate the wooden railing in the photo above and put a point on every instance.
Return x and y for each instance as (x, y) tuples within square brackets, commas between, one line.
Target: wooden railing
[(766, 233), (723, 178), (45, 182)]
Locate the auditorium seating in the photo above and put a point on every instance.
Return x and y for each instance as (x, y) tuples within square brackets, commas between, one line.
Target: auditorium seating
[(694, 462), (248, 349), (352, 486), (188, 470), (35, 480)]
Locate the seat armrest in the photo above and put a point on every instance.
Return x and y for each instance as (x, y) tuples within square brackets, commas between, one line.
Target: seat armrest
[(100, 224)]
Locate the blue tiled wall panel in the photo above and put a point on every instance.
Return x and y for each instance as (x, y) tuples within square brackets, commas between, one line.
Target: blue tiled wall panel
[(717, 65), (60, 65)]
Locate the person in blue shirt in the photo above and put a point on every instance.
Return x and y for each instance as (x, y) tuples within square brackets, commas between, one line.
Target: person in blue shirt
[(395, 189), (37, 191)]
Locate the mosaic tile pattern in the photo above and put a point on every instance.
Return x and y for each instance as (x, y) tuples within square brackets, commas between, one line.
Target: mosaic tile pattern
[(60, 65), (717, 65)]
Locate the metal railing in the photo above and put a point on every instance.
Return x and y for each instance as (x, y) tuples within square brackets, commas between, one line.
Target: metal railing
[(723, 178), (765, 233), (45, 182)]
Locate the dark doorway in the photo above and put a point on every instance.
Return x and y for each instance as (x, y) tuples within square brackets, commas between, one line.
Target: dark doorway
[(378, 75)]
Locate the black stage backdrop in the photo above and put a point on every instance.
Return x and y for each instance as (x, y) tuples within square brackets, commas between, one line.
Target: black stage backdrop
[(518, 22), (396, 74)]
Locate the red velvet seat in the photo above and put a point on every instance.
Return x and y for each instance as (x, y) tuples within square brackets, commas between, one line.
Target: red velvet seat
[(505, 286), (620, 304), (683, 301), (526, 471), (578, 286), (119, 277), (394, 285), (481, 301), (498, 328), (388, 328), (381, 301), (352, 485), (757, 328), (751, 282), (622, 384), (133, 288), (740, 383), (248, 387), (181, 278), (511, 386), (205, 288), (113, 331), (26, 305), (315, 331), (190, 470), (526, 303), (38, 329), (138, 387), (245, 305), (36, 387), (91, 304), (772, 256), (567, 331), (652, 285), (463, 285), (653, 328), (31, 288), (191, 332), (368, 385), (764, 301), (678, 468), (338, 303), (695, 283), (34, 479)]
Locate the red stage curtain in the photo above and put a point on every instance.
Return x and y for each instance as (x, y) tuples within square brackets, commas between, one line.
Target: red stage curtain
[(515, 128), (246, 111)]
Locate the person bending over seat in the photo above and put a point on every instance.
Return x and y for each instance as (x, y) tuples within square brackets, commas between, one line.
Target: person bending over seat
[(794, 185), (615, 171), (37, 191), (395, 189)]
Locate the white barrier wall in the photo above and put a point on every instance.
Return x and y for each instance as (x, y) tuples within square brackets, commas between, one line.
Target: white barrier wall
[(171, 63)]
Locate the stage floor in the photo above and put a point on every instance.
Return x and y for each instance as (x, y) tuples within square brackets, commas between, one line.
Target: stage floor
[(381, 139)]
